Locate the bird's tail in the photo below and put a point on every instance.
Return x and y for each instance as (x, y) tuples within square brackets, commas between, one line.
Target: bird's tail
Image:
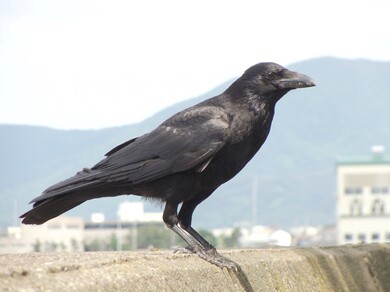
[(63, 196), (49, 209)]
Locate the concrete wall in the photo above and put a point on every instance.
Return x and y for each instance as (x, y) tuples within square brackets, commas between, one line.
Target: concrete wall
[(344, 268)]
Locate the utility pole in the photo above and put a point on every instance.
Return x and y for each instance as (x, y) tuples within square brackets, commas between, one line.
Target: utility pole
[(254, 199)]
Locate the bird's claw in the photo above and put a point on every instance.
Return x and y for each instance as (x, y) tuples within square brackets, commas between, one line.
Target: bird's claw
[(209, 254), (212, 256)]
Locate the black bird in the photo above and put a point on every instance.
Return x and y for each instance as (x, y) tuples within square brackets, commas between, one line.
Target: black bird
[(186, 158)]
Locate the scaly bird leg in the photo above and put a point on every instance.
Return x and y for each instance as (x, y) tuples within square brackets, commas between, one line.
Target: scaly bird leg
[(197, 244), (200, 246)]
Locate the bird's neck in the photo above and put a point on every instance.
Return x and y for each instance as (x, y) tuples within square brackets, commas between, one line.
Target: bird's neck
[(261, 106), (253, 106), (251, 116)]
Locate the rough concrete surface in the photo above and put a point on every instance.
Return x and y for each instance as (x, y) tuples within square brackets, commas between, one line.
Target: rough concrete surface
[(343, 268)]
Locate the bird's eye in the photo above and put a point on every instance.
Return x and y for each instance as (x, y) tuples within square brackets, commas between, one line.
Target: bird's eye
[(269, 76)]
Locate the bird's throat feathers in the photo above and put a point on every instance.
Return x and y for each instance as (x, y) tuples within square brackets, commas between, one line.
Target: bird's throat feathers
[(261, 105)]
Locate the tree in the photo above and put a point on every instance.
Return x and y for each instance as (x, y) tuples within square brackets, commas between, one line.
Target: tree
[(152, 236), (208, 236), (37, 246), (92, 245), (74, 244), (113, 242), (232, 240)]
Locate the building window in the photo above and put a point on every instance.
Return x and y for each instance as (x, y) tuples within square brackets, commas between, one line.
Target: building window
[(353, 190), (380, 190), (375, 237), (387, 236), (348, 237), (362, 237), (356, 208), (378, 207)]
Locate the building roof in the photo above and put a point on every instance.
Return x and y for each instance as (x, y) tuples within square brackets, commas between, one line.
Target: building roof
[(363, 160)]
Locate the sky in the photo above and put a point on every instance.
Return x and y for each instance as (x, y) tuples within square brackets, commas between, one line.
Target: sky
[(80, 64)]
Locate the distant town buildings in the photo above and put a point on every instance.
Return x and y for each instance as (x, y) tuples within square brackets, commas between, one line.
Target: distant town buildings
[(363, 198), (74, 234), (324, 235)]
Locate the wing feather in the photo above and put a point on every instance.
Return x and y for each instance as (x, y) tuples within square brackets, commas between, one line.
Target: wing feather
[(188, 140)]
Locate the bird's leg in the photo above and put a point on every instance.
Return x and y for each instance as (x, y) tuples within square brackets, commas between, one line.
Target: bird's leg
[(197, 244), (185, 219), (198, 237), (171, 221), (205, 251)]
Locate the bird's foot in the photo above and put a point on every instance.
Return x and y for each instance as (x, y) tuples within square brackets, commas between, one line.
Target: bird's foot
[(209, 254), (212, 256)]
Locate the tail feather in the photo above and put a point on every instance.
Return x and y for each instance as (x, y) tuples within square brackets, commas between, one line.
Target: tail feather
[(50, 208), (82, 180), (62, 197)]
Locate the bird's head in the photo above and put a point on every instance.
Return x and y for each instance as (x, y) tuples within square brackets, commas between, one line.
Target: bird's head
[(270, 79)]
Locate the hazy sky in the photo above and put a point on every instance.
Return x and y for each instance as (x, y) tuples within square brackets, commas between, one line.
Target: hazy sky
[(93, 64)]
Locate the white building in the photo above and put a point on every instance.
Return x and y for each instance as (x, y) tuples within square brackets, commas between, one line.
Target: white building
[(59, 234), (130, 216), (258, 236), (322, 235), (363, 191)]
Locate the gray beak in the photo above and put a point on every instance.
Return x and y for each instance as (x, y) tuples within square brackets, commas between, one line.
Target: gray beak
[(292, 80)]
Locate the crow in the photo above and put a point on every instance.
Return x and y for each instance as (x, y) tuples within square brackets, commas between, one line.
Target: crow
[(185, 159)]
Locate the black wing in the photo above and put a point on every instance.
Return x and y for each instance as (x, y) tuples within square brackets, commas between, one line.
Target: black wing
[(188, 140)]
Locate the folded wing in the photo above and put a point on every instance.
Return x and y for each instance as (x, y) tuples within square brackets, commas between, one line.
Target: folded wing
[(188, 140)]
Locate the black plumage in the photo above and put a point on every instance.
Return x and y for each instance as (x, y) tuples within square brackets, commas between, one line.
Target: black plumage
[(185, 158)]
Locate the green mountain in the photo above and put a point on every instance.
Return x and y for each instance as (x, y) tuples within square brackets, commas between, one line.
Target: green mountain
[(344, 115)]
